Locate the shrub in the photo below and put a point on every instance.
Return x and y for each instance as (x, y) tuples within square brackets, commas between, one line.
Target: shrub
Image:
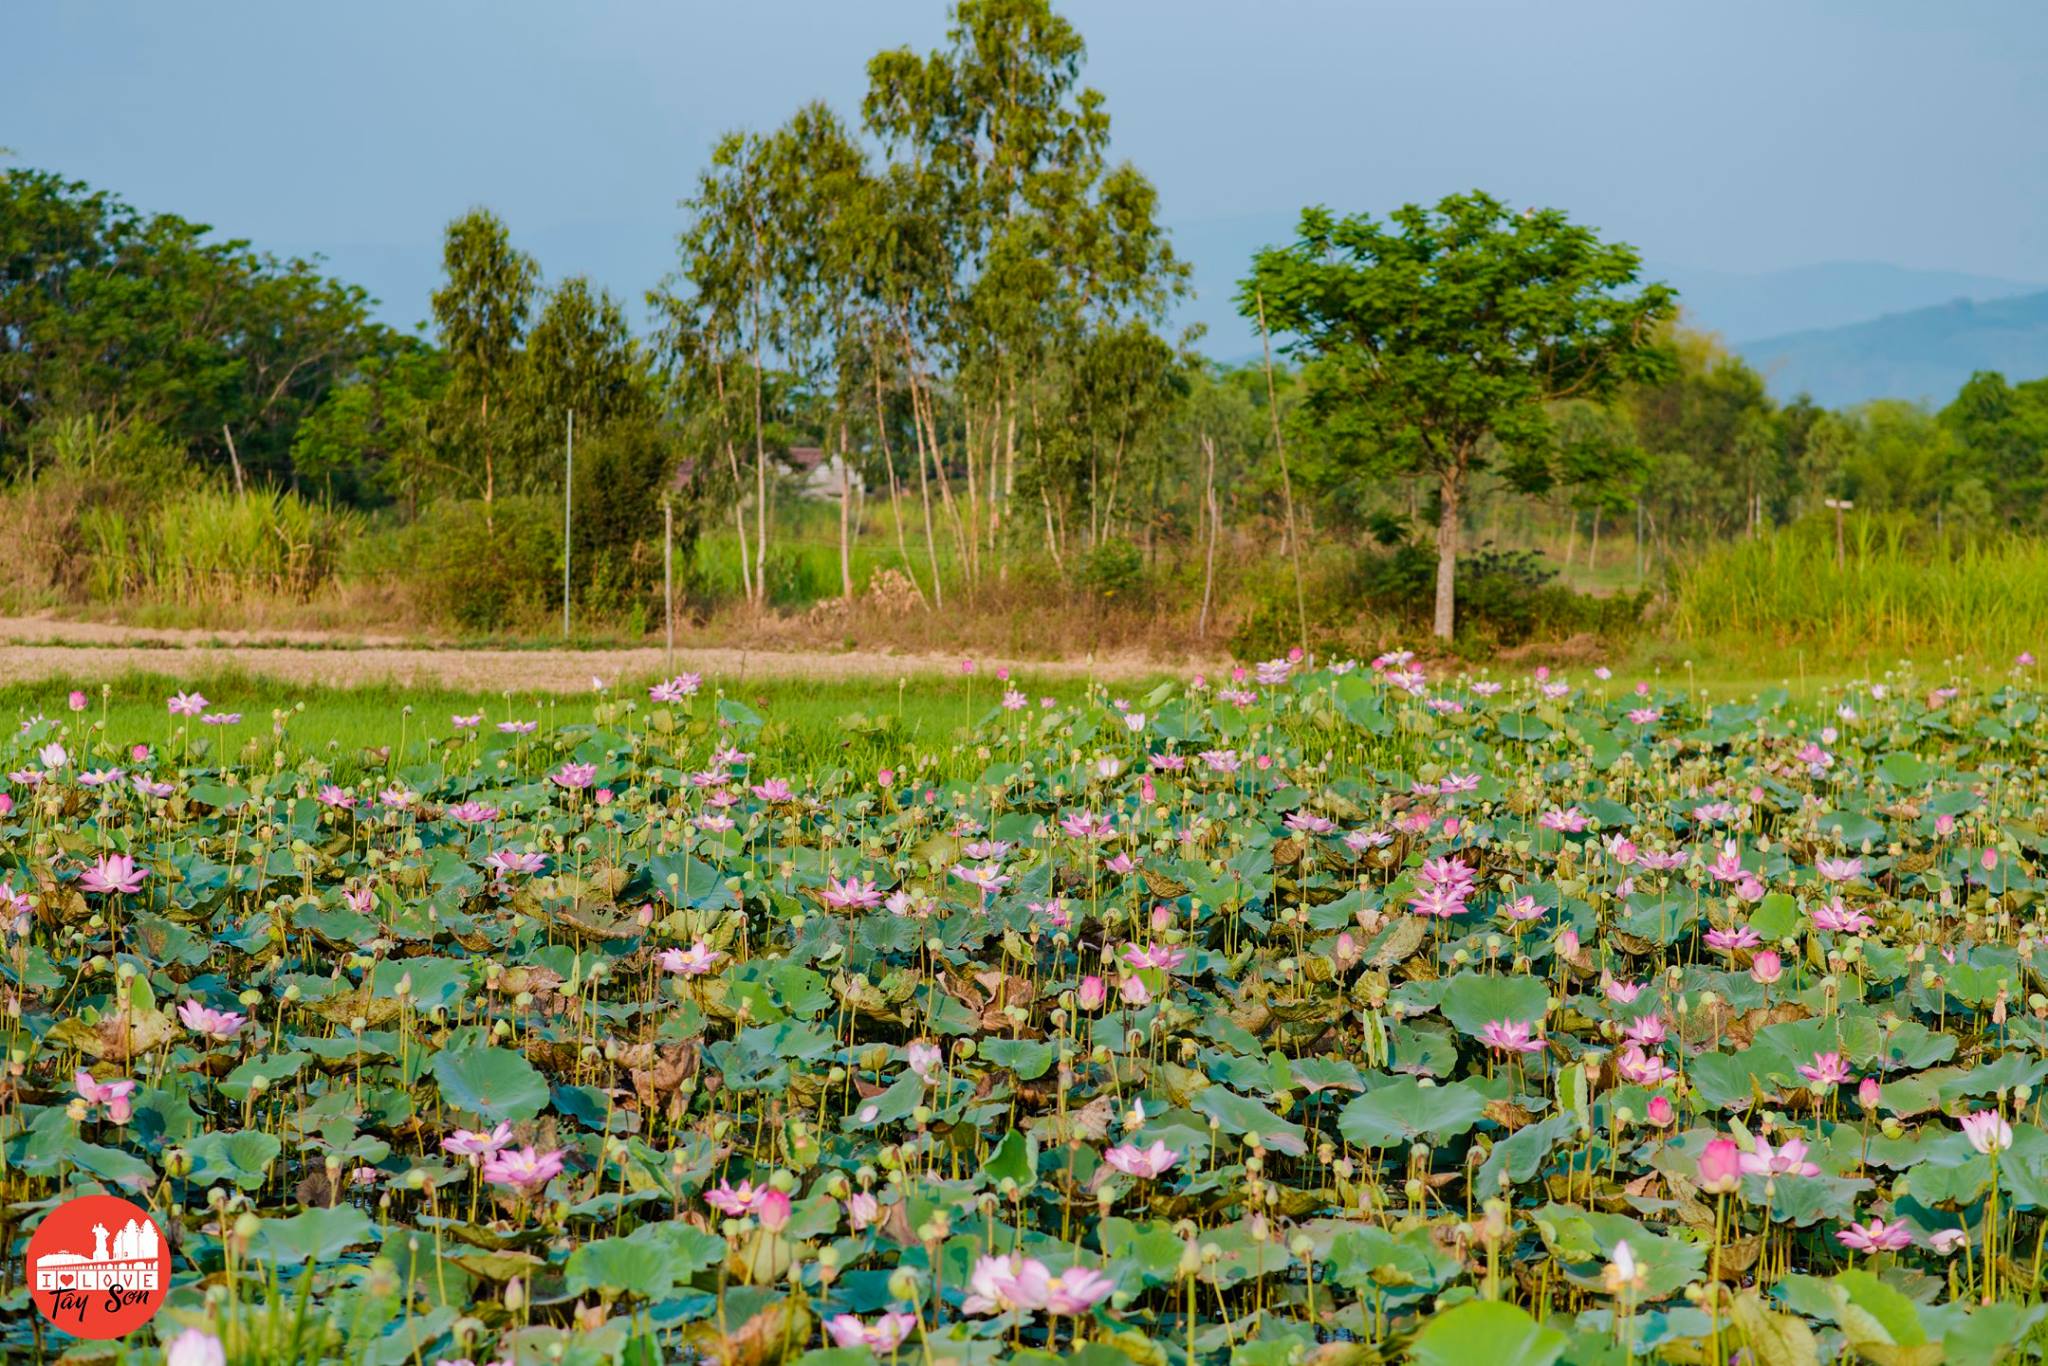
[(486, 573)]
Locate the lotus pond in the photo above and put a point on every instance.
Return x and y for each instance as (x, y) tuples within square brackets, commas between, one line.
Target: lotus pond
[(1322, 1014)]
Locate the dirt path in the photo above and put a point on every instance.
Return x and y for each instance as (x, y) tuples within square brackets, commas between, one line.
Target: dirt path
[(36, 648)]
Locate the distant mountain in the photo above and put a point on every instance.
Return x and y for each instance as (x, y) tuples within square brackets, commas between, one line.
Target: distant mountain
[(1830, 294), (1925, 354)]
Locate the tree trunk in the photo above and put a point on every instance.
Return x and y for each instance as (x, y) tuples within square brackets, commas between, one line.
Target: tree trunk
[(845, 519), (1447, 552), (896, 506), (1209, 511)]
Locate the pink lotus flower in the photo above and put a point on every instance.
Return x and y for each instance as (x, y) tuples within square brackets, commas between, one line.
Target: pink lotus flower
[(77, 700), (862, 1210), (1001, 1285), (185, 704), (855, 893), (1766, 967), (518, 727), (214, 1024), (1134, 992), (694, 961), (1987, 1131), (523, 1169), (1730, 940), (1510, 1036), (471, 1144), (886, 1334), (1841, 919), (1827, 1069), (1876, 1236), (1309, 823), (1165, 957), (1091, 994), (471, 813), (507, 861), (773, 1209), (340, 798), (1076, 1290), (1721, 1166), (115, 1095), (1660, 1112), (989, 878), (1570, 820), (1946, 1241), (466, 722), (1867, 1094), (113, 873), (1144, 1163), (574, 777), (737, 1201), (1644, 1069), (1086, 825), (1840, 869), (774, 790), (1787, 1160)]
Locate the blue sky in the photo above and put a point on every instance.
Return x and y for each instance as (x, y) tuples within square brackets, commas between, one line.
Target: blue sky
[(1734, 137)]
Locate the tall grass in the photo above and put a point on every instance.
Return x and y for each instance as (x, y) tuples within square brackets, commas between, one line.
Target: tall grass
[(1901, 589), (213, 546)]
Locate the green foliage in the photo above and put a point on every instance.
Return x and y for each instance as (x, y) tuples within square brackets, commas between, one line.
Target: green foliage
[(485, 568), (125, 317), (1437, 341)]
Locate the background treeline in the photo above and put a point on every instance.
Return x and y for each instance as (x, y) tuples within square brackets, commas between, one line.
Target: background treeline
[(955, 294)]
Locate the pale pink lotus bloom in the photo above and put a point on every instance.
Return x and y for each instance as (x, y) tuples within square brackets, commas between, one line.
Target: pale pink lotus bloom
[(185, 704), (574, 777), (1840, 869), (1076, 1290), (1644, 1069), (1162, 956), (471, 813), (506, 861), (1730, 940), (1767, 967), (694, 961), (115, 1095), (1510, 1036), (1947, 1240), (1788, 1159), (195, 1347), (1987, 1131), (862, 1210), (214, 1024), (1826, 1069), (522, 1168), (1086, 825), (854, 893), (1091, 993), (1876, 1236), (1134, 992), (924, 1059), (361, 900), (885, 1334), (1867, 1094), (1144, 1163), (1623, 993), (1841, 919), (743, 1199), (1000, 1285), (471, 1144), (338, 797), (1660, 1112), (113, 873), (77, 700)]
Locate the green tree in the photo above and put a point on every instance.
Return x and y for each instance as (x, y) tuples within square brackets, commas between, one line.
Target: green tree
[(1437, 340), (481, 312)]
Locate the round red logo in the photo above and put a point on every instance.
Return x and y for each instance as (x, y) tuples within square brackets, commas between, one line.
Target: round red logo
[(98, 1266)]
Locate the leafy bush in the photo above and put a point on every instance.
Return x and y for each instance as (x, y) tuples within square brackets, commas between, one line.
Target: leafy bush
[(1113, 569), (486, 573)]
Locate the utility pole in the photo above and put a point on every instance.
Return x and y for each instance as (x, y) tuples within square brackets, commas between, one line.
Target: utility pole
[(568, 521)]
